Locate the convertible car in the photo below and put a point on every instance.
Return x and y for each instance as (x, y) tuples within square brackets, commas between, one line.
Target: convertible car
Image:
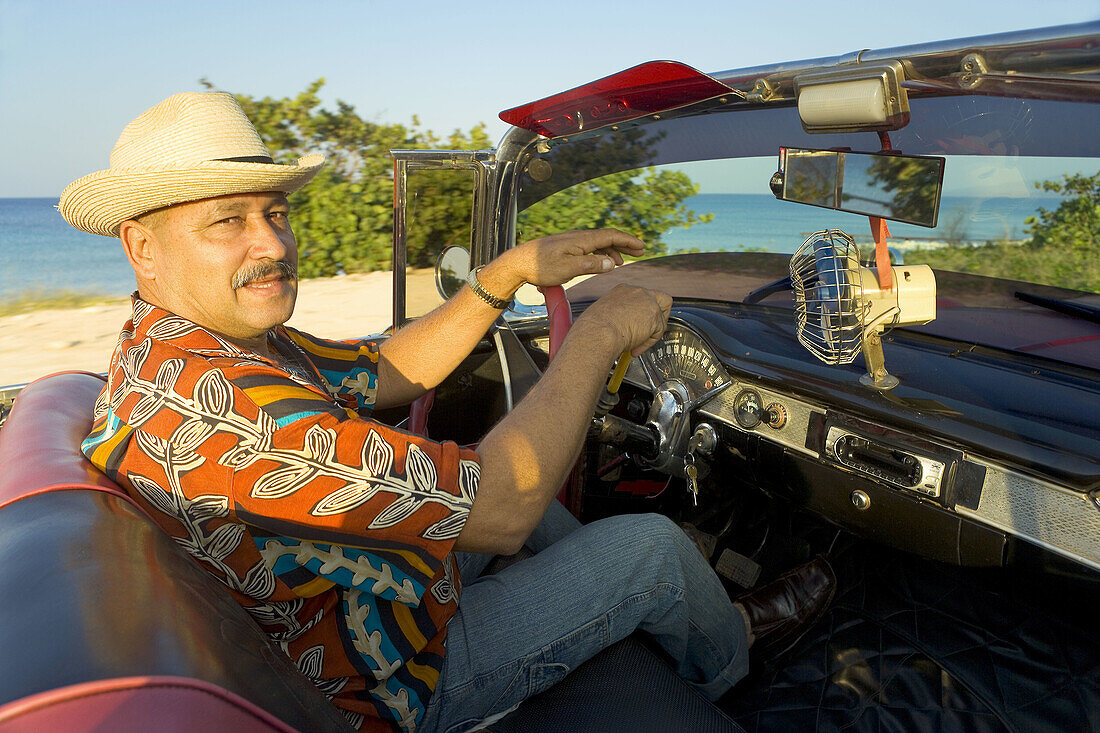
[(884, 347)]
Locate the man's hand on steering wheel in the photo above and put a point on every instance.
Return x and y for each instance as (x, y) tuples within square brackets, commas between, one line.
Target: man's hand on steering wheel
[(558, 258), (637, 316)]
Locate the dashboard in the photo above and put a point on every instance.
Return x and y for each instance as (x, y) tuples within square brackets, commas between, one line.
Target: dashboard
[(938, 497)]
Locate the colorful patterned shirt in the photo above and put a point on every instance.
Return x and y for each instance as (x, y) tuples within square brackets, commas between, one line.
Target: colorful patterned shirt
[(332, 530)]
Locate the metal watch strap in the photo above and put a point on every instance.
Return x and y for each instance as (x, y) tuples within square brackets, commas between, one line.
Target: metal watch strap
[(492, 300)]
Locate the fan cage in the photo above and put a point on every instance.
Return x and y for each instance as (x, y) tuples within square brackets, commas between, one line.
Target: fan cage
[(828, 293)]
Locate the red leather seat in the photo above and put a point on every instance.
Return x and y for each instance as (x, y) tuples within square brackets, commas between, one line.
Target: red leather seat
[(105, 623)]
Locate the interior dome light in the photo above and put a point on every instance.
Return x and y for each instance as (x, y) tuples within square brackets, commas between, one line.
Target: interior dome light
[(859, 99)]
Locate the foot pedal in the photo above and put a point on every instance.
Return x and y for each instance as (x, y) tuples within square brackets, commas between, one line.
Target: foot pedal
[(738, 568), (705, 542)]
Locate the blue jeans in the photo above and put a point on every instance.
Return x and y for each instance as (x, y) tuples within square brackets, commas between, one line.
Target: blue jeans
[(519, 631)]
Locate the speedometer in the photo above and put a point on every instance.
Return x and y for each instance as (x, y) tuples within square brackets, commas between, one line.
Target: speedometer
[(684, 356)]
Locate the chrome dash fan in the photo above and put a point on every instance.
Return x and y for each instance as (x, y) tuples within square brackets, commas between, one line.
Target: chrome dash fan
[(828, 293), (842, 308)]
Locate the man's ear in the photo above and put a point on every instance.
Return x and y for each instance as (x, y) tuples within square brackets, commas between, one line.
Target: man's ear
[(138, 243)]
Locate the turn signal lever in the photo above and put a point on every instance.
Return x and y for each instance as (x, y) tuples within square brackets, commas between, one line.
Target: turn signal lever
[(640, 440)]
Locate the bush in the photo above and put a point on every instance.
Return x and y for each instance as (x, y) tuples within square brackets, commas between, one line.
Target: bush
[(1063, 249)]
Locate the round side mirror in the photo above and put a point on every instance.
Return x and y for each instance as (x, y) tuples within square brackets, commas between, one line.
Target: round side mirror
[(451, 270)]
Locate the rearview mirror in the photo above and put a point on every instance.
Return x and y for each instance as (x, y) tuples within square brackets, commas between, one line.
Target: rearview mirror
[(902, 188), (451, 270)]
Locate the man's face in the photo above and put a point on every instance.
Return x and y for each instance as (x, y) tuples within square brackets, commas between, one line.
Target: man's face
[(227, 263)]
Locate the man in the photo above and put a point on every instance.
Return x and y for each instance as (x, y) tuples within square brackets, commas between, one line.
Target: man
[(356, 546)]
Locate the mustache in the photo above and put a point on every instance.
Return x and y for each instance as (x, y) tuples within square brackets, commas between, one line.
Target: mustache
[(264, 270)]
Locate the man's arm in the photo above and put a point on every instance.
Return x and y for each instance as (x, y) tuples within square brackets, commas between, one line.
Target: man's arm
[(525, 458), (423, 353)]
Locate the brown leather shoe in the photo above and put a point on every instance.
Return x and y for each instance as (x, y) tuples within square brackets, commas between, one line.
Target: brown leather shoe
[(781, 611)]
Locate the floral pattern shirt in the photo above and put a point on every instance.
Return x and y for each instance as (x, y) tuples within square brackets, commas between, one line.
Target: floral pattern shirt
[(333, 530)]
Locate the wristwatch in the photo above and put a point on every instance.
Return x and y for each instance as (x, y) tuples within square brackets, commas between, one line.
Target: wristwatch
[(492, 300)]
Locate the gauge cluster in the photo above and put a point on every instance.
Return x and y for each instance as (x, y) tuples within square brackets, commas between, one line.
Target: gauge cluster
[(682, 357)]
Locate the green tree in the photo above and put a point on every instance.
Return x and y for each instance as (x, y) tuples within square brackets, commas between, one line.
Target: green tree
[(644, 203), (343, 219), (1076, 222), (1064, 248), (612, 186)]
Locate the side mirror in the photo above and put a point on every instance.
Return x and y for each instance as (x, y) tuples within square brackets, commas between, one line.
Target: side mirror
[(452, 267), (451, 270)]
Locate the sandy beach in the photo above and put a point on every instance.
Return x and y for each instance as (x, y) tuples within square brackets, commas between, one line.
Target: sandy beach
[(42, 342)]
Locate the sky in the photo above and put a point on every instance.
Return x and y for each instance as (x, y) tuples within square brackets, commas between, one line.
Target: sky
[(74, 72)]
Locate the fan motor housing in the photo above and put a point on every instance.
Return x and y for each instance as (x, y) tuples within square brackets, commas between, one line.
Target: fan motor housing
[(913, 295)]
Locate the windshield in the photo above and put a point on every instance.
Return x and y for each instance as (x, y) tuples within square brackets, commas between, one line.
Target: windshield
[(992, 207), (1021, 185), (1020, 210)]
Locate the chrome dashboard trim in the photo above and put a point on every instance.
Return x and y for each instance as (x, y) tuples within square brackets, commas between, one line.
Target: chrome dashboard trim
[(1034, 510), (932, 472), (793, 433), (1043, 513)]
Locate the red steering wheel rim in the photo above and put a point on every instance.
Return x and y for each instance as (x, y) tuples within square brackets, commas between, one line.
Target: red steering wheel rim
[(560, 318), (558, 314)]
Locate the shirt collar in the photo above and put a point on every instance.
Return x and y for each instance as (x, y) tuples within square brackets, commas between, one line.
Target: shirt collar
[(153, 322)]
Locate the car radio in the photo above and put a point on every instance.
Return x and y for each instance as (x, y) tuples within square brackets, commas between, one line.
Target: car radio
[(887, 462)]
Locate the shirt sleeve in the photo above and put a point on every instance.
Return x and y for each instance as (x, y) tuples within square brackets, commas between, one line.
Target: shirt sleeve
[(349, 368)]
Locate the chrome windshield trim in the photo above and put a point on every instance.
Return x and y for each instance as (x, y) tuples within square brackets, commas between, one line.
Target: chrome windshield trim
[(1069, 50)]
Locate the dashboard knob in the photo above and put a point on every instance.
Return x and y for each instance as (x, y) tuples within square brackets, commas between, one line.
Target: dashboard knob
[(775, 415), (860, 500)]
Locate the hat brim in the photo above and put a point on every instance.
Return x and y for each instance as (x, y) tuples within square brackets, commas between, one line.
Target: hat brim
[(98, 203)]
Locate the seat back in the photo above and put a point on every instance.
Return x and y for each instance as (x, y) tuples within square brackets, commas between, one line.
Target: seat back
[(92, 592)]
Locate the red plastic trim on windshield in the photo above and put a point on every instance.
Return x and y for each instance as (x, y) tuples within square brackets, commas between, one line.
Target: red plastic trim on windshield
[(649, 88)]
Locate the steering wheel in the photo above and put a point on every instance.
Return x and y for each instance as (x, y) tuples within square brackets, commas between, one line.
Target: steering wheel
[(560, 318)]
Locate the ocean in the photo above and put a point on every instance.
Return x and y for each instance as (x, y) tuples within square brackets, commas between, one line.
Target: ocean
[(762, 222), (43, 255)]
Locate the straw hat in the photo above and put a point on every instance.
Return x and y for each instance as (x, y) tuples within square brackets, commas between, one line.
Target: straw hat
[(191, 146)]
